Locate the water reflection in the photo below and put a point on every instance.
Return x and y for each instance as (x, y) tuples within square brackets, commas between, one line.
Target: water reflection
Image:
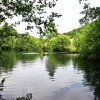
[(91, 76), (33, 83), (27, 97), (9, 59), (54, 61), (25, 57), (2, 87), (2, 84)]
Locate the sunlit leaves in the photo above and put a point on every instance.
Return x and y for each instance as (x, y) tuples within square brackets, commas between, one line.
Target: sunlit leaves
[(28, 43), (59, 43)]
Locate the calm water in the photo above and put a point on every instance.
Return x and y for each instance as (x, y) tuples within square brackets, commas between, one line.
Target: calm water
[(30, 76)]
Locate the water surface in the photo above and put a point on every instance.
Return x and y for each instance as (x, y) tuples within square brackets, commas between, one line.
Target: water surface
[(48, 77)]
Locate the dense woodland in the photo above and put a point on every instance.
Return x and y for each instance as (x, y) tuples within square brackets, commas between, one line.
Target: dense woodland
[(85, 40), (10, 39)]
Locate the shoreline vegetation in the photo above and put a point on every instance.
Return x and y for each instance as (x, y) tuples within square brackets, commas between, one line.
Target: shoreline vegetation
[(84, 40)]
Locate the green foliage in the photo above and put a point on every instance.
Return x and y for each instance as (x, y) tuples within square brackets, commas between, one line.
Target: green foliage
[(31, 11), (8, 43), (89, 13), (88, 42), (10, 39), (59, 43), (50, 28), (7, 30), (72, 33), (72, 47), (28, 43)]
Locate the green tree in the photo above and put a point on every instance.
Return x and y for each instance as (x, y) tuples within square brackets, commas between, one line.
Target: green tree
[(8, 37), (59, 43), (7, 30), (28, 43), (88, 42), (9, 43)]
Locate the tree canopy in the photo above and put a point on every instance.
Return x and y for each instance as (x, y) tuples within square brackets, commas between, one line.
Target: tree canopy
[(32, 11), (89, 13)]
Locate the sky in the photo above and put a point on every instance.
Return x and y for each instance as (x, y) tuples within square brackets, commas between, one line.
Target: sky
[(70, 10)]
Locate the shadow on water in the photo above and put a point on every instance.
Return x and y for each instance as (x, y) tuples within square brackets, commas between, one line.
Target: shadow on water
[(91, 76), (54, 61)]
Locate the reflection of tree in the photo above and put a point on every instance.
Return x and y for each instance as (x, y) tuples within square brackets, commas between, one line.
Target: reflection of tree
[(2, 87), (7, 60), (54, 61), (27, 57), (27, 97), (51, 67), (2, 84), (91, 75)]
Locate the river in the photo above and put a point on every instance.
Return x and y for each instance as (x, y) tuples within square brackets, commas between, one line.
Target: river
[(33, 76)]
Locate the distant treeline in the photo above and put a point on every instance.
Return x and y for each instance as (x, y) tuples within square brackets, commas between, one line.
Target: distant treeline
[(10, 39), (85, 40)]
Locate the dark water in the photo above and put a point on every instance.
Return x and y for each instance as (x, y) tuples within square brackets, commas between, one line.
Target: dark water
[(31, 76)]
